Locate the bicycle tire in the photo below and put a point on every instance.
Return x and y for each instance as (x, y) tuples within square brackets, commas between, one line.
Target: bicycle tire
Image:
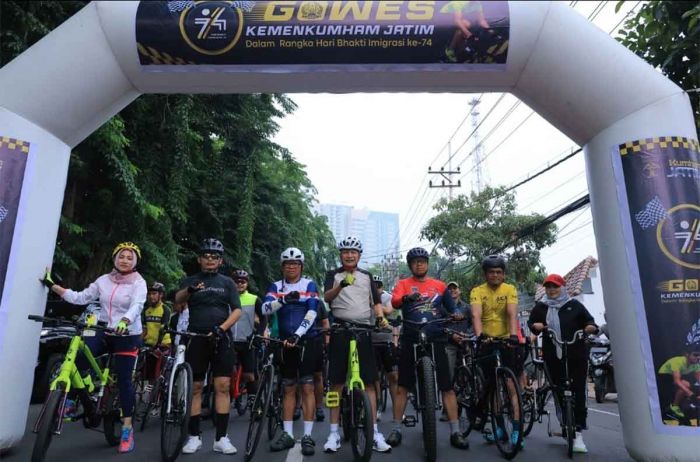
[(426, 375), (570, 429), (49, 421), (361, 424), (529, 412), (258, 413), (274, 418), (383, 392), (112, 420), (500, 399), (173, 424), (465, 401)]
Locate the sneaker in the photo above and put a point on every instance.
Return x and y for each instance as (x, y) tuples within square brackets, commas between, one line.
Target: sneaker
[(283, 442), (297, 414), (450, 55), (127, 442), (579, 445), (332, 443), (308, 445), (676, 411), (394, 438), (514, 438), (320, 416), (380, 444), (224, 446), (459, 441), (192, 445)]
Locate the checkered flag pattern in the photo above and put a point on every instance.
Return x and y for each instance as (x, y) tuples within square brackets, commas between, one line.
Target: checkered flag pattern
[(245, 6), (694, 334), (652, 214), (3, 213), (176, 7)]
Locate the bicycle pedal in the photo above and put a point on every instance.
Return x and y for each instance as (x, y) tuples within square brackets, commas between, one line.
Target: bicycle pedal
[(332, 399), (410, 421)]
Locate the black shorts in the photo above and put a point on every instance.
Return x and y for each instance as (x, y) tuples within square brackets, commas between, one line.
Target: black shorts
[(338, 351), (203, 353), (245, 356), (300, 364), (407, 365), (386, 356)]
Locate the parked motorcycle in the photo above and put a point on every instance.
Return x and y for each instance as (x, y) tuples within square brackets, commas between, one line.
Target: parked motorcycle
[(600, 368)]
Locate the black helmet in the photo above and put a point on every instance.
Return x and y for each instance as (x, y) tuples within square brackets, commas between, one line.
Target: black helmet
[(417, 252), (212, 245), (493, 261), (157, 287)]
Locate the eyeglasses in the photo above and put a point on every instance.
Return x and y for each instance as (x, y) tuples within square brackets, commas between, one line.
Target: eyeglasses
[(211, 256), (241, 281)]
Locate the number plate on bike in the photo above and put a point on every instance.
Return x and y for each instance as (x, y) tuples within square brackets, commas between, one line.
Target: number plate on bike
[(88, 333), (568, 393)]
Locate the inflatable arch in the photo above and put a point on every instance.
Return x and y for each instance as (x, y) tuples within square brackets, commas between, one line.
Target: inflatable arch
[(586, 84)]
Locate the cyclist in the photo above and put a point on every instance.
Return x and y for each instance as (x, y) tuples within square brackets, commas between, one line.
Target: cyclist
[(250, 323), (679, 377), (121, 294), (155, 318), (214, 307), (352, 296), (464, 327), (564, 315), (494, 314), (384, 347), (295, 299), (420, 298)]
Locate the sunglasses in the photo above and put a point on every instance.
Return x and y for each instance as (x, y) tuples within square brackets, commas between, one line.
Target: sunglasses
[(241, 281), (211, 256)]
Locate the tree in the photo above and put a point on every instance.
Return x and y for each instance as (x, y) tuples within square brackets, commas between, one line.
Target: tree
[(667, 35), (470, 227)]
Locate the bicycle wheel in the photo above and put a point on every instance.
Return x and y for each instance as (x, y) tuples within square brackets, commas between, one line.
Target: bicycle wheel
[(569, 425), (428, 398), (346, 415), (258, 413), (529, 411), (362, 429), (504, 409), (112, 420), (173, 422), (274, 417), (49, 422)]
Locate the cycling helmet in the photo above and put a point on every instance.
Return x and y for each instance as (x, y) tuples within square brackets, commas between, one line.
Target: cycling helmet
[(157, 287), (292, 254), (241, 274), (350, 243), (378, 279), (212, 245), (493, 261), (127, 245), (417, 252)]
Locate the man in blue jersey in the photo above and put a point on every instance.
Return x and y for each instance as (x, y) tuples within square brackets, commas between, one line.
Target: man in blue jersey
[(295, 299)]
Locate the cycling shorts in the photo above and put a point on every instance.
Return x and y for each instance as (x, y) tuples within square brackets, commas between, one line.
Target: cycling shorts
[(203, 353), (386, 356), (300, 363), (245, 356)]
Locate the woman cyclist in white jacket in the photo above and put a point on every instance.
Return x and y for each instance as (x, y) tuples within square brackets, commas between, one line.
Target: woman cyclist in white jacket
[(121, 294)]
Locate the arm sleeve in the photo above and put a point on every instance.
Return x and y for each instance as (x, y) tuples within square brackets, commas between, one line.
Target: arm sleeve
[(270, 304), (397, 294), (311, 310), (138, 301), (90, 294), (376, 295)]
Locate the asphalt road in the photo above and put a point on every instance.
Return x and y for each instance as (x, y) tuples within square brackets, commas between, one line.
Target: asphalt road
[(604, 441)]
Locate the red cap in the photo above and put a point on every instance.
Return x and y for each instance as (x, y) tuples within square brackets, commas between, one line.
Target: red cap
[(555, 279)]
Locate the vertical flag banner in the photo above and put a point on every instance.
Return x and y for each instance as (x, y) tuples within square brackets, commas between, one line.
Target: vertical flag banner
[(453, 35), (659, 180), (13, 161)]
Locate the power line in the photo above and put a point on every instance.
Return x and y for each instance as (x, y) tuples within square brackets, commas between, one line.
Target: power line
[(550, 191), (625, 17), (530, 178)]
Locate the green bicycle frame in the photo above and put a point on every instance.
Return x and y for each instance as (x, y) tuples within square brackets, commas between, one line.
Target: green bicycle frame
[(354, 378), (69, 375)]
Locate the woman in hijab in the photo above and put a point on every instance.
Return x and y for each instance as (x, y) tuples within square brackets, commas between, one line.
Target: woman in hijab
[(121, 294), (564, 315)]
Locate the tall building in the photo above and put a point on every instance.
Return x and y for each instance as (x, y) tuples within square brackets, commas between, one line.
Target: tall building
[(378, 231)]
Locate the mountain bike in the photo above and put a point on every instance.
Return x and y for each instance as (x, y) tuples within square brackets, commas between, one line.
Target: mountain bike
[(98, 397), (355, 406)]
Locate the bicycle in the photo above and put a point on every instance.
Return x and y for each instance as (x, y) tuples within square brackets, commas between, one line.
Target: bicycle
[(267, 403), (99, 398), (355, 406), (149, 396), (237, 391), (536, 396)]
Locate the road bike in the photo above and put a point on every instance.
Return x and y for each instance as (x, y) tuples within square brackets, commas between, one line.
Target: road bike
[(96, 392), (149, 394)]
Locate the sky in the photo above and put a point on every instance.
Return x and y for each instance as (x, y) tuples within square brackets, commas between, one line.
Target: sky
[(374, 150)]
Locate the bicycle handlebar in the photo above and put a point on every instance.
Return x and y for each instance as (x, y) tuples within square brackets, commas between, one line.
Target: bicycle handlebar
[(186, 333), (67, 322), (553, 335)]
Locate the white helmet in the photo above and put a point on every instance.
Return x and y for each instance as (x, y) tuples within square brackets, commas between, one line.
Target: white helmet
[(350, 243), (292, 254)]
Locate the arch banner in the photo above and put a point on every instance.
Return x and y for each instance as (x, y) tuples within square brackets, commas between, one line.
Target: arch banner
[(658, 181), (421, 34)]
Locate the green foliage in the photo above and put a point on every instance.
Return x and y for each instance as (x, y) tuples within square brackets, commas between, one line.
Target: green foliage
[(170, 170), (471, 227), (667, 35)]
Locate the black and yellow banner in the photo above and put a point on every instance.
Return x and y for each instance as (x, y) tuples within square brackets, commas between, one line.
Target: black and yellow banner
[(291, 33)]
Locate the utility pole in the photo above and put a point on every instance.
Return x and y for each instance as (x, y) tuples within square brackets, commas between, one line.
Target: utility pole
[(446, 174)]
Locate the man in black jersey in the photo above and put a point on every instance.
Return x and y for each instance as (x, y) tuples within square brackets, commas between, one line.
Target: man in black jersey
[(214, 306)]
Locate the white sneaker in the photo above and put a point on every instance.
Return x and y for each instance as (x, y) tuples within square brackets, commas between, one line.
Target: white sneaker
[(192, 445), (579, 445), (380, 445), (224, 446), (332, 443)]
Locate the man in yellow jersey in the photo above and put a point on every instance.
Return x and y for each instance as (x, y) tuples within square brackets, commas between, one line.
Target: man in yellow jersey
[(494, 315)]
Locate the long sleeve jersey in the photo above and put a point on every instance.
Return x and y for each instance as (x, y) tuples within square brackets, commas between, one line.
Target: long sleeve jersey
[(293, 318), (434, 303)]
